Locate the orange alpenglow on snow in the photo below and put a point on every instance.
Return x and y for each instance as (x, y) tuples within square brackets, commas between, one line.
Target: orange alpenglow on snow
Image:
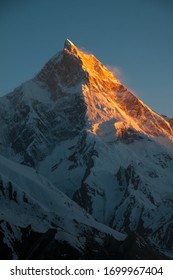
[(107, 100)]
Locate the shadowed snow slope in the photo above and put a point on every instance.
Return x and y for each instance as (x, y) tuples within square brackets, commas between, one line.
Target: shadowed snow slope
[(28, 199)]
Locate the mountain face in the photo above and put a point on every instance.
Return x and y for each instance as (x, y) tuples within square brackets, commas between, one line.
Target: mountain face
[(103, 164)]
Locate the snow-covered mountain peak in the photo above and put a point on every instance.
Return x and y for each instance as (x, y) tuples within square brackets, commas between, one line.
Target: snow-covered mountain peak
[(105, 98), (94, 140), (99, 102)]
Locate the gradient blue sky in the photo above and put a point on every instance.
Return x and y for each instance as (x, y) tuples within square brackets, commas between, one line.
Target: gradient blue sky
[(136, 36)]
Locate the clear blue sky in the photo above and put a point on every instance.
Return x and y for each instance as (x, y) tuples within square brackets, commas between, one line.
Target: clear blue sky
[(136, 36)]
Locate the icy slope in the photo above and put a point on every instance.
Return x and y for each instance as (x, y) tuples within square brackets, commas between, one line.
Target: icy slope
[(28, 199), (120, 184)]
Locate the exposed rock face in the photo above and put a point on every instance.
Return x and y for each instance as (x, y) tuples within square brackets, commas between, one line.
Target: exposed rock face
[(96, 142)]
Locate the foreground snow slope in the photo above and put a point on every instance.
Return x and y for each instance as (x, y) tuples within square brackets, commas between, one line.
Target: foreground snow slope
[(27, 198)]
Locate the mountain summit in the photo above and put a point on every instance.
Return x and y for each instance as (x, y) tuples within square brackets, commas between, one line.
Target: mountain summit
[(90, 138), (104, 97), (69, 45)]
